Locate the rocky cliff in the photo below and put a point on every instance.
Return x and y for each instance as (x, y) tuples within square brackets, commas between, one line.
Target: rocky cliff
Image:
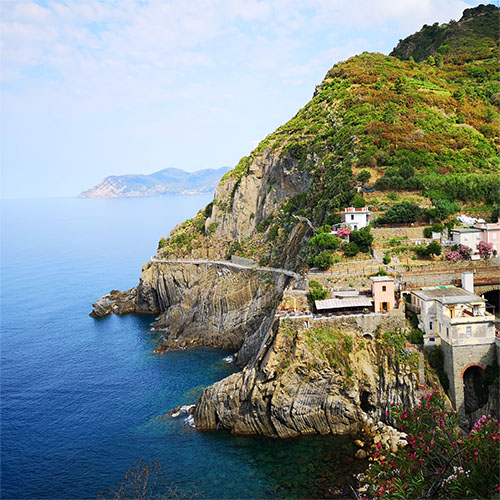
[(322, 379), (203, 304)]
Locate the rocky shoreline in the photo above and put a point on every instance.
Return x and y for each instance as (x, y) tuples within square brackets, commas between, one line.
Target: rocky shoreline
[(292, 383)]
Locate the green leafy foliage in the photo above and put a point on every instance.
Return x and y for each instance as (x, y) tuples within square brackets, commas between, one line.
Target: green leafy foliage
[(325, 241), (358, 201), (316, 292), (433, 248), (436, 228), (364, 176), (362, 238), (417, 336), (442, 209), (439, 461), (351, 249), (435, 356), (404, 212), (323, 260)]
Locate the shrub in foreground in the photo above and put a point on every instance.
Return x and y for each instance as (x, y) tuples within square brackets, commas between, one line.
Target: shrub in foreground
[(438, 461)]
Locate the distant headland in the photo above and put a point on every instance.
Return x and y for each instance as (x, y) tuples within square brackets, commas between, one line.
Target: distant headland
[(164, 182)]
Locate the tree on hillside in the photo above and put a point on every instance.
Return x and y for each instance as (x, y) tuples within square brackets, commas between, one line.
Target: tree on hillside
[(364, 176), (401, 212), (434, 248), (363, 239), (316, 292), (325, 241), (358, 201)]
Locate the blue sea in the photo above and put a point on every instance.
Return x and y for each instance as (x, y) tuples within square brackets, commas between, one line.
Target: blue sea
[(83, 400)]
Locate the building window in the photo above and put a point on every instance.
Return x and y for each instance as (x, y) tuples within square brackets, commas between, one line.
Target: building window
[(439, 327), (468, 331), (494, 236), (447, 332), (384, 288), (352, 217), (430, 326)]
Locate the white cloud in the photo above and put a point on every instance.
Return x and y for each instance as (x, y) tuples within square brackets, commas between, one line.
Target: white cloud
[(93, 45), (213, 69)]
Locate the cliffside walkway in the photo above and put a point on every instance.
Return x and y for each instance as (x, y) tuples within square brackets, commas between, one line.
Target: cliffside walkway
[(228, 263)]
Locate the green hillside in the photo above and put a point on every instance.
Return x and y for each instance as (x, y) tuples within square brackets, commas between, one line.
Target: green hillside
[(474, 36), (429, 127), (380, 113)]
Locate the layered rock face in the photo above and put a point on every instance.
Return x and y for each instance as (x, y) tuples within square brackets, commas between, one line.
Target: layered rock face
[(269, 181), (203, 304), (297, 386)]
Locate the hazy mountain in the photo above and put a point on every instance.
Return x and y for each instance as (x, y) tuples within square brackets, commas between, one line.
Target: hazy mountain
[(163, 182)]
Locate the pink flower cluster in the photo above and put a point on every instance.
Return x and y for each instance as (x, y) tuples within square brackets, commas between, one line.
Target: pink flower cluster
[(343, 232), (462, 252)]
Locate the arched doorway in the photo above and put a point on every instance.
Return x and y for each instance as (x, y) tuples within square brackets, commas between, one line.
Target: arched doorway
[(475, 395)]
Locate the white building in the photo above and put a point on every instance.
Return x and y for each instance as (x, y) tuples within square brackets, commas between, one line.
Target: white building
[(453, 315), (470, 237), (356, 218)]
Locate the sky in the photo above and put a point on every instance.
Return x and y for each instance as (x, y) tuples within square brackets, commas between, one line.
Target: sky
[(91, 88)]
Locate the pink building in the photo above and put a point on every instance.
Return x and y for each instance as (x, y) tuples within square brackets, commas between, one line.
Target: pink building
[(471, 237), (382, 293), (491, 234)]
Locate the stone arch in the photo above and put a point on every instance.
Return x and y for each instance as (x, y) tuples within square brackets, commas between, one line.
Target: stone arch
[(368, 336), (470, 365), (482, 289), (472, 378)]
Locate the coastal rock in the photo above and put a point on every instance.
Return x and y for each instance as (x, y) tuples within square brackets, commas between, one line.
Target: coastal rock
[(296, 387), (203, 304), (102, 307)]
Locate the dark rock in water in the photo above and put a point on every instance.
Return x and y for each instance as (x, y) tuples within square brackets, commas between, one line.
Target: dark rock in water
[(101, 308), (203, 304), (171, 412)]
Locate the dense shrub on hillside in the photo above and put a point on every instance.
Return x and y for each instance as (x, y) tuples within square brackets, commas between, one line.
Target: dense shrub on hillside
[(433, 248), (316, 292), (325, 241), (351, 249), (442, 209), (320, 250), (404, 212), (323, 260), (364, 176), (483, 188), (362, 238)]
